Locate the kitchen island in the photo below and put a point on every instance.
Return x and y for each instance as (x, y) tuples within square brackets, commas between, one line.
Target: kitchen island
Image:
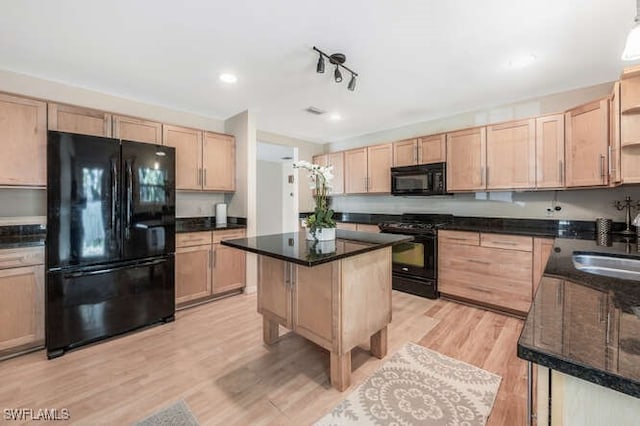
[(336, 294)]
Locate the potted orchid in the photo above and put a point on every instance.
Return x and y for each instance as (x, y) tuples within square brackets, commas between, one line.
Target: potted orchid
[(320, 224)]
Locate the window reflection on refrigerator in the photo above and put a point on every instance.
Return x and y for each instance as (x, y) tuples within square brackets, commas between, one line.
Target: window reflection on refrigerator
[(152, 185), (93, 240)]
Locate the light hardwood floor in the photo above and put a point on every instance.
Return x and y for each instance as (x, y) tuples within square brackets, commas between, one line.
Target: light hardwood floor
[(214, 359)]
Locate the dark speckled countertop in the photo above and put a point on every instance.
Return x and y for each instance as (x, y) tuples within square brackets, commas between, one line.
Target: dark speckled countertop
[(293, 247), (586, 325), (201, 224)]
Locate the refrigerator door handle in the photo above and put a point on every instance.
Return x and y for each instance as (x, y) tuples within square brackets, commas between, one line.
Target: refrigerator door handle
[(117, 268), (114, 194), (127, 231)]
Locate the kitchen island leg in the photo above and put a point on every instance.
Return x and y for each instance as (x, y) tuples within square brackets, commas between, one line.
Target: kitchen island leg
[(379, 343), (341, 370), (270, 330)]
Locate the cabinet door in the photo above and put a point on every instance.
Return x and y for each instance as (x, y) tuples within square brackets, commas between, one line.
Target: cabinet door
[(615, 141), (23, 137), (72, 119), (511, 155), (321, 160), (188, 145), (219, 162), (432, 149), (466, 160), (193, 273), (274, 290), (628, 139), (363, 227), (21, 307), (336, 159), (550, 151), (347, 226), (228, 268), (355, 171), (137, 130), (379, 161), (585, 324), (548, 313), (587, 142), (405, 153)]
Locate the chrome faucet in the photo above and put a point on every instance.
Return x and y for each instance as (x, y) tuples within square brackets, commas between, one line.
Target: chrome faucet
[(627, 204)]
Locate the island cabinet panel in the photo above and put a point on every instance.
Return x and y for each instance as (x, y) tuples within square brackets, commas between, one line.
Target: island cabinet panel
[(274, 290), (188, 145), (193, 273), (355, 171), (550, 314), (467, 160), (405, 153), (219, 162), (73, 119), (23, 140), (229, 264), (432, 149), (587, 144), (541, 251), (379, 162), (21, 299), (137, 130), (511, 155), (550, 151)]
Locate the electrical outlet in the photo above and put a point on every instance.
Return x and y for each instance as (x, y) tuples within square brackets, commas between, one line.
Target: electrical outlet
[(549, 212)]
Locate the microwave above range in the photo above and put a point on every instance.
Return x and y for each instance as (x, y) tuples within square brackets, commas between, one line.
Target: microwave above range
[(423, 179)]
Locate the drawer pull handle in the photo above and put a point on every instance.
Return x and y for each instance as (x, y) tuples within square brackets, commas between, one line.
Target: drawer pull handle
[(459, 238), (481, 262), (482, 290), (504, 243)]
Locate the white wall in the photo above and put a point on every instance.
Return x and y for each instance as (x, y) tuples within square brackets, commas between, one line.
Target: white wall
[(270, 197), (290, 196), (197, 204)]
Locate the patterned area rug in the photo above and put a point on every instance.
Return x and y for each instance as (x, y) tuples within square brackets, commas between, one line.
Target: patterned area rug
[(418, 386), (177, 414)]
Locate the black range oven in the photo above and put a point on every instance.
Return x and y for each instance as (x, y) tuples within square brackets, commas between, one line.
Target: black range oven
[(415, 263)]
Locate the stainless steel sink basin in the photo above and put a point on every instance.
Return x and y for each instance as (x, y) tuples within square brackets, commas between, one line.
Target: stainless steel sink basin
[(616, 267)]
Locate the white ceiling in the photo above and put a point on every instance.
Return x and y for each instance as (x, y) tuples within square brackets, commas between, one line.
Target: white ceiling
[(418, 59)]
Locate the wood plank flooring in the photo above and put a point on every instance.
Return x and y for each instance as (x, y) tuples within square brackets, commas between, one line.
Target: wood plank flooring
[(212, 356)]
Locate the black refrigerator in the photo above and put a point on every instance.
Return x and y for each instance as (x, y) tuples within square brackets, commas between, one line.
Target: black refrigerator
[(110, 238)]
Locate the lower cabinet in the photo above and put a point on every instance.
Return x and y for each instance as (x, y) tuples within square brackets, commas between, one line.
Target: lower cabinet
[(362, 227), (205, 268), (21, 299), (492, 270)]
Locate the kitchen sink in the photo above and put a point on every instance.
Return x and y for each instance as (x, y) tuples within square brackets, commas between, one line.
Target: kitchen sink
[(617, 267)]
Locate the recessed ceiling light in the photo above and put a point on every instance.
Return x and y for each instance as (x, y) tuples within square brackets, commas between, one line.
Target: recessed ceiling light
[(335, 117), (522, 61), (228, 78)]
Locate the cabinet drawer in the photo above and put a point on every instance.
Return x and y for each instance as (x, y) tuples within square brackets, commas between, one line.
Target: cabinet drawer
[(347, 226), (228, 235), (363, 227), (14, 258), (459, 237), (193, 239), (509, 242)]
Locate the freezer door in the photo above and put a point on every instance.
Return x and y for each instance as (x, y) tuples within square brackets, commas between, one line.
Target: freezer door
[(148, 200), (89, 305), (83, 210)]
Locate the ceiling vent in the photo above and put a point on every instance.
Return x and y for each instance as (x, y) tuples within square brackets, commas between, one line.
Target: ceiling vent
[(315, 111)]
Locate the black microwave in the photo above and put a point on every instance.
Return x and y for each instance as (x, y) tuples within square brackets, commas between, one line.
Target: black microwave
[(423, 179)]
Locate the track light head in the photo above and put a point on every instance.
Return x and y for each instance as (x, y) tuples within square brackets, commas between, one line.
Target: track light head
[(352, 83), (337, 75), (320, 66)]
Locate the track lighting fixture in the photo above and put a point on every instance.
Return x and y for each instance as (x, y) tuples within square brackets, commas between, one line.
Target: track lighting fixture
[(632, 46), (337, 59)]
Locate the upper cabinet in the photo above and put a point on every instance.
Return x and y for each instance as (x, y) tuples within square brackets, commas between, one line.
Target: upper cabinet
[(204, 160), (550, 151), (23, 137), (188, 145), (72, 119), (336, 160), (218, 162), (424, 150), (467, 160), (511, 154), (615, 146), (137, 130), (368, 170), (587, 144), (629, 130)]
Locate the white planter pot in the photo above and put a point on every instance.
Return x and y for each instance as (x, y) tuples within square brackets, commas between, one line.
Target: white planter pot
[(322, 234)]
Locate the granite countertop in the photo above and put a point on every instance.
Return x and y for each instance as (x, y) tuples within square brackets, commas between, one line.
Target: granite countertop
[(202, 224), (586, 325), (293, 247)]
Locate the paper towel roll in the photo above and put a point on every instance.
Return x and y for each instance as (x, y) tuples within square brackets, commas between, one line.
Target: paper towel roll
[(221, 214)]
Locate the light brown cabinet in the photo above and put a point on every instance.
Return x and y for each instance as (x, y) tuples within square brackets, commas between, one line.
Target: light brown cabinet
[(205, 268), (405, 153), (615, 140), (511, 155), (335, 159), (188, 145), (23, 137), (137, 130), (629, 127), (274, 298), (467, 160), (21, 299), (355, 171), (379, 162), (347, 226), (423, 150), (73, 119), (550, 151), (587, 144), (219, 162), (365, 227)]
